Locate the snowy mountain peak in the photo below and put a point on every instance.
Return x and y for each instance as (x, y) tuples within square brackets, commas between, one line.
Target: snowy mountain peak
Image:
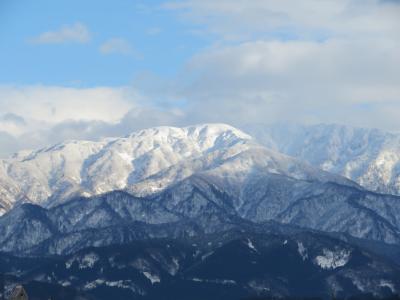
[(370, 157), (144, 163), (87, 167), (204, 134)]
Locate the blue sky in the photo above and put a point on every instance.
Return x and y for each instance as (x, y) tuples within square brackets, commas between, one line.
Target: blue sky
[(89, 69), (159, 41)]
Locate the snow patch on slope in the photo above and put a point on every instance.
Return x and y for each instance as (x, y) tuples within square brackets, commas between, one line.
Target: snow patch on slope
[(302, 251), (86, 262), (122, 284), (251, 245), (152, 277), (331, 260)]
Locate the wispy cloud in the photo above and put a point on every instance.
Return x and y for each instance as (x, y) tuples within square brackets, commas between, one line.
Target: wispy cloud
[(305, 61), (73, 33), (35, 116), (118, 46), (308, 60), (154, 31), (54, 104), (308, 19)]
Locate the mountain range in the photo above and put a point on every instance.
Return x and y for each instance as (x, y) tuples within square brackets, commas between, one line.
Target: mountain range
[(142, 163), (204, 182), (230, 265), (370, 157)]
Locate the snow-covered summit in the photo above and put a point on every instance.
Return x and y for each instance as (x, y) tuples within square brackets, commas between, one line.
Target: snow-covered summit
[(89, 167), (370, 157), (144, 162)]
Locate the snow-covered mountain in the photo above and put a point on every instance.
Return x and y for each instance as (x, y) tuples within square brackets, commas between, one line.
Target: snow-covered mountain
[(192, 186), (199, 205), (371, 157), (204, 175), (143, 163)]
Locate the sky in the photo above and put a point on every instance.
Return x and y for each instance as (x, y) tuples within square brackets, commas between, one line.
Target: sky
[(89, 69)]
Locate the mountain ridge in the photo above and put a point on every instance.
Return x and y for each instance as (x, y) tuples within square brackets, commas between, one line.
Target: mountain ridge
[(199, 205), (367, 156), (143, 163), (226, 265)]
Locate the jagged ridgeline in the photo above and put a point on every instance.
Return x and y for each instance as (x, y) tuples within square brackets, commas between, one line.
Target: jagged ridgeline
[(202, 212), (370, 157), (142, 163)]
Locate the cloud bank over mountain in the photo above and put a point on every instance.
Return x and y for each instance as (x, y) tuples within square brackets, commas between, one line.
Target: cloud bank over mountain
[(309, 62)]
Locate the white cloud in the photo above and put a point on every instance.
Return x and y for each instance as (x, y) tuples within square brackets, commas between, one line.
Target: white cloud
[(265, 81), (12, 124), (52, 104), (304, 19), (308, 60), (305, 61), (55, 104), (36, 116), (9, 144), (118, 46), (73, 33)]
